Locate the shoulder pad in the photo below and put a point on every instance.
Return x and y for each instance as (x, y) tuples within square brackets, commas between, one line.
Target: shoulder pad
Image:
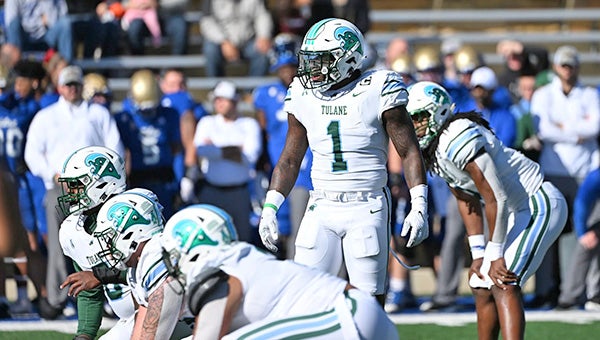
[(461, 141), (208, 286)]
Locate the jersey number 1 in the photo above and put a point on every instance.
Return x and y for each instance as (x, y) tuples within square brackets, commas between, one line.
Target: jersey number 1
[(339, 163)]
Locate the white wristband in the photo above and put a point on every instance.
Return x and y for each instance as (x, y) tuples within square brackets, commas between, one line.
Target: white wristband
[(274, 199), (477, 245), (418, 194), (494, 250)]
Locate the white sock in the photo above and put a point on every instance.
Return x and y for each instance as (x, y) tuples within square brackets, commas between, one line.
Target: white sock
[(397, 285)]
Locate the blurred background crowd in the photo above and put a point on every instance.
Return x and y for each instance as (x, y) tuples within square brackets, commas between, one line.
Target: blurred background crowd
[(218, 143)]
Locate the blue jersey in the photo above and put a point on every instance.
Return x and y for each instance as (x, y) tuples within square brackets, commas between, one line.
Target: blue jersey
[(183, 101), (461, 96), (269, 99), (149, 139), (503, 124), (16, 115), (49, 99), (587, 196)]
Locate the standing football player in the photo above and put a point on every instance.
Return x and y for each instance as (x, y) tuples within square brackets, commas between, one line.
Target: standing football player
[(346, 117)]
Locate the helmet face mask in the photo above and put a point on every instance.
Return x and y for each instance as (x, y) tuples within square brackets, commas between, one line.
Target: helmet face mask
[(89, 177), (123, 223), (192, 234), (330, 53), (429, 106)]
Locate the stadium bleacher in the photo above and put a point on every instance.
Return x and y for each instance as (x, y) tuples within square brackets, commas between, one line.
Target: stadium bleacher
[(478, 23)]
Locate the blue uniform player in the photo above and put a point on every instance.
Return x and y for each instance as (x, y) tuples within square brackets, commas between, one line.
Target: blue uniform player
[(17, 108), (150, 133), (268, 101), (175, 94)]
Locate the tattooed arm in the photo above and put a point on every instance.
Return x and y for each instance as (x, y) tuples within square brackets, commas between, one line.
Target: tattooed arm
[(159, 318)]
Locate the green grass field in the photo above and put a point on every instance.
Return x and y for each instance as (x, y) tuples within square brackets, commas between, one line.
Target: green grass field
[(534, 331)]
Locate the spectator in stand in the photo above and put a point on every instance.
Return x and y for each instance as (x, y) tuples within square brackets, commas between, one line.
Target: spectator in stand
[(483, 85), (152, 138), (268, 101), (171, 24), (96, 26), (173, 84), (586, 220), (229, 145), (39, 25), (235, 30), (396, 48), (54, 63), (518, 59), (449, 48), (55, 132), (146, 11), (355, 11), (567, 119), (526, 139)]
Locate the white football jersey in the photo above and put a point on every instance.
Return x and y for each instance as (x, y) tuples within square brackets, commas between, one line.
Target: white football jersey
[(77, 244), (460, 143), (287, 288), (149, 273), (84, 248), (345, 129)]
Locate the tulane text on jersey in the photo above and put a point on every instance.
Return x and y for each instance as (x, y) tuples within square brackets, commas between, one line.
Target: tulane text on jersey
[(334, 110)]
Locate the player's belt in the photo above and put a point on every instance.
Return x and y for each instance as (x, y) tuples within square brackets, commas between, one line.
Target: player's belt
[(346, 196)]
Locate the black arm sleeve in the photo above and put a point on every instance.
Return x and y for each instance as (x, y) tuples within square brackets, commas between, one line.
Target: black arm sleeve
[(110, 275)]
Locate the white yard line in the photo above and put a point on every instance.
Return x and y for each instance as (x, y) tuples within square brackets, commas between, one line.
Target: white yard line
[(459, 319), (443, 319)]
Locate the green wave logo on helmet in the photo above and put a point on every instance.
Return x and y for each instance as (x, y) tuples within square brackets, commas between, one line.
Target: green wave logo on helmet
[(440, 96), (349, 39), (125, 216), (184, 233), (102, 166)]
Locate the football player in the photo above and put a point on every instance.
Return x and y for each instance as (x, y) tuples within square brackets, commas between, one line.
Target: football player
[(128, 231), (346, 117), (151, 136), (524, 214), (89, 178), (237, 291), (18, 105)]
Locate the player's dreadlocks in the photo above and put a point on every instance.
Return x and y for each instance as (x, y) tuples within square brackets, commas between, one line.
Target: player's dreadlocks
[(429, 151)]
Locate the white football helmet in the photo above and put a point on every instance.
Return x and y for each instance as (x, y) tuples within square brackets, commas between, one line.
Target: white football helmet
[(123, 223), (90, 176), (331, 51), (429, 99), (192, 234)]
